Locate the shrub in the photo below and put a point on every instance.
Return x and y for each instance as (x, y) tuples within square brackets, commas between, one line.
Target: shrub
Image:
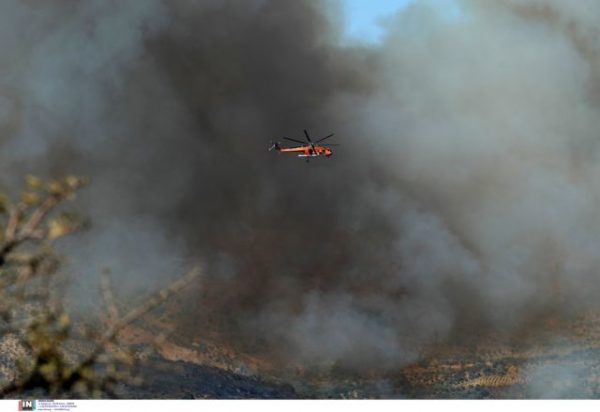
[(43, 350)]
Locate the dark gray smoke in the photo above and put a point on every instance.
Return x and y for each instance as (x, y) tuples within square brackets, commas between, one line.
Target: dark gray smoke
[(463, 197)]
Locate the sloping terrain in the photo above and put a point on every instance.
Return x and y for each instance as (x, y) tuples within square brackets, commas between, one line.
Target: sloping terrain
[(185, 380), (560, 358), (162, 376)]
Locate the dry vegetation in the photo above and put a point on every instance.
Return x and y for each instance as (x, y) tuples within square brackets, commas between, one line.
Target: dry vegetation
[(42, 350), (560, 359)]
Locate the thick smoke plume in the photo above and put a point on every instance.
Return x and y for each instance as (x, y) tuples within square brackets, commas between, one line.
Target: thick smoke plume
[(464, 197)]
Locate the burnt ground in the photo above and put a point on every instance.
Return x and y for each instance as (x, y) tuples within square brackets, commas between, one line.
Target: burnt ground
[(558, 359), (574, 375), (554, 359), (164, 379), (160, 378)]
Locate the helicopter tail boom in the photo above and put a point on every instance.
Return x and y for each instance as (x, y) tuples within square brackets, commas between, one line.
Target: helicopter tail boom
[(275, 146)]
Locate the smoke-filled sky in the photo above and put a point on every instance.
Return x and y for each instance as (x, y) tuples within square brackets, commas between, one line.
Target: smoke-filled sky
[(463, 198)]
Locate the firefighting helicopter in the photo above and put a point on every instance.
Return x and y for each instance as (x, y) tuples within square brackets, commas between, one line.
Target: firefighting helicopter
[(308, 149)]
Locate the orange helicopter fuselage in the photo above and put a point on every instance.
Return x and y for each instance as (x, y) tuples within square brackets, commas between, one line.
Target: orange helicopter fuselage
[(307, 151)]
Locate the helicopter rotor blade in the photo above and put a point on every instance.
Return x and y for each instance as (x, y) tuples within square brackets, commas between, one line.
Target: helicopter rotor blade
[(294, 140), (333, 144), (326, 137), (307, 136)]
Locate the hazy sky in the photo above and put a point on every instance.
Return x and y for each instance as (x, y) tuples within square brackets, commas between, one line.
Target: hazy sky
[(362, 17)]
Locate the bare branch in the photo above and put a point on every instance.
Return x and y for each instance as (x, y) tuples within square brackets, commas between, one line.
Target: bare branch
[(109, 299), (29, 228), (149, 304), (14, 215), (10, 233)]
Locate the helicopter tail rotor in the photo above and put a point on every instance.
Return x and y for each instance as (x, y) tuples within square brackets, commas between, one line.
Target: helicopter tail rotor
[(274, 146)]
